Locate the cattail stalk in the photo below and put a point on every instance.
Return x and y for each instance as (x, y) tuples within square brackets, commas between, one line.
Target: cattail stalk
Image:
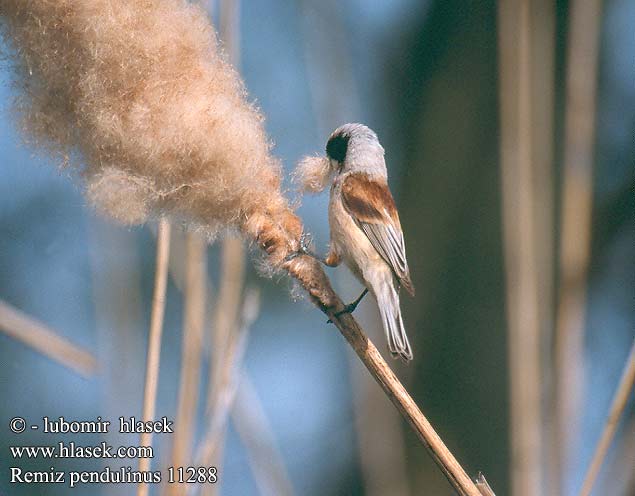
[(381, 372), (193, 325), (382, 458), (154, 341)]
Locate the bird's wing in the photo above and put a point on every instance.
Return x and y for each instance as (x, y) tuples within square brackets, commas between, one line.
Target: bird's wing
[(371, 205)]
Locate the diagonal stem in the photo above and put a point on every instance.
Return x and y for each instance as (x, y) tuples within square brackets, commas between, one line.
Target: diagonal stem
[(379, 369), (617, 408), (46, 341), (311, 276)]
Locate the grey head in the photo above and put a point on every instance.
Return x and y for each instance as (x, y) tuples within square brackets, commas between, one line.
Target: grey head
[(356, 148)]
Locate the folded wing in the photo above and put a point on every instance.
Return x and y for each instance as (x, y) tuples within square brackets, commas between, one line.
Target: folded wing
[(371, 205)]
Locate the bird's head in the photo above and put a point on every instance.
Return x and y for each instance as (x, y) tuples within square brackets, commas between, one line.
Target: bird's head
[(355, 148)]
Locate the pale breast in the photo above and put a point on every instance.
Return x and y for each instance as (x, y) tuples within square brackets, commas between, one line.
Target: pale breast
[(349, 240)]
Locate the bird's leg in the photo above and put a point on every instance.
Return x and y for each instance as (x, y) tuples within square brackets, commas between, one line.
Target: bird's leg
[(305, 241), (350, 308), (332, 259)]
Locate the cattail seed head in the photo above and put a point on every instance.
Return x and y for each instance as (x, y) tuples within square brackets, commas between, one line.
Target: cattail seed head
[(141, 96)]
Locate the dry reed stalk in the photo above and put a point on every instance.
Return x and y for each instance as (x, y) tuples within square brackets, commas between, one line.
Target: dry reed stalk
[(542, 73), (624, 389), (226, 385), (165, 128), (227, 378), (382, 457), (483, 486), (153, 358), (116, 292), (395, 391), (256, 435), (211, 451), (44, 340), (228, 345), (575, 244), (619, 476), (226, 313), (519, 229), (192, 342)]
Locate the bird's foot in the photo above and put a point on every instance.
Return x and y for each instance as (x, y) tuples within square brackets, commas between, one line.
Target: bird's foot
[(350, 308), (304, 248), (305, 243)]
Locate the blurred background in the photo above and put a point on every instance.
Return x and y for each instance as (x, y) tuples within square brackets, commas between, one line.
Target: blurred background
[(513, 172)]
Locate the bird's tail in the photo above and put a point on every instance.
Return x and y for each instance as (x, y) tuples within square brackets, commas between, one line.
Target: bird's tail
[(390, 312)]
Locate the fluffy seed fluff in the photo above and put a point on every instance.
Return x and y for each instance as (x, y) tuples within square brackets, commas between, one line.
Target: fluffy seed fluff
[(159, 122), (313, 173)]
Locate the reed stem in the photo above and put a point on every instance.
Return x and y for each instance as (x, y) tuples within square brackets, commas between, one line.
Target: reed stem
[(154, 341), (381, 372), (576, 209), (624, 389), (520, 231), (193, 325), (38, 336)]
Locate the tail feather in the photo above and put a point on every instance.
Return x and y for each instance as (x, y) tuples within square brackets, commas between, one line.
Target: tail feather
[(398, 343)]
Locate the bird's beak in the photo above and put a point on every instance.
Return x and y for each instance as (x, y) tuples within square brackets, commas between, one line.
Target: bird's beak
[(336, 166)]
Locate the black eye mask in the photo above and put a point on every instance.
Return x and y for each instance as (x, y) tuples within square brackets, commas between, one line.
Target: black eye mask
[(337, 147)]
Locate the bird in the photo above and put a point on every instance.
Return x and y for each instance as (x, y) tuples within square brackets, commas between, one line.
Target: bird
[(365, 229)]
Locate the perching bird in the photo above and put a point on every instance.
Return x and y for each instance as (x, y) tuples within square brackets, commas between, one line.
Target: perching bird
[(365, 229)]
